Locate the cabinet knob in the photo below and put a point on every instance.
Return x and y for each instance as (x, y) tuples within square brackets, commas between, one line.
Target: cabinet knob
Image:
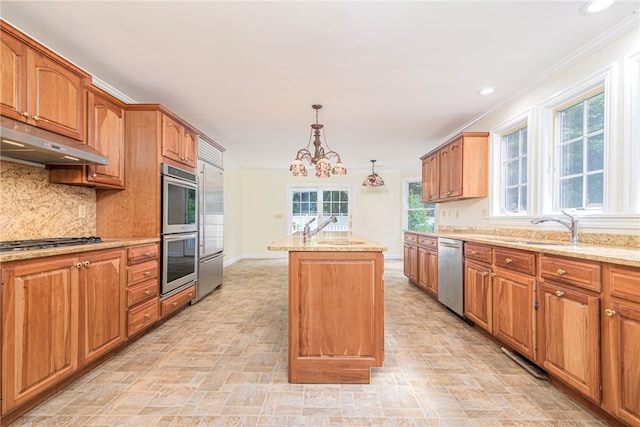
[(485, 273), (561, 271), (147, 292), (493, 274), (175, 303), (93, 175), (147, 315), (474, 253), (190, 295), (25, 114), (86, 263), (609, 312), (508, 260), (147, 273), (79, 264), (36, 118), (559, 293), (147, 254)]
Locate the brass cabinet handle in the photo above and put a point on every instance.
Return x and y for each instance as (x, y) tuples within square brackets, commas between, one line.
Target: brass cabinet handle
[(484, 273), (79, 264), (25, 114), (190, 294), (147, 273), (474, 253), (561, 271), (147, 254), (147, 291), (493, 274), (86, 263), (36, 118), (147, 315), (175, 303), (559, 293), (609, 312), (93, 175), (508, 260)]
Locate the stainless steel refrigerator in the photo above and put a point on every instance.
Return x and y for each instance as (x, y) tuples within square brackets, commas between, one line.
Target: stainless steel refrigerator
[(210, 219)]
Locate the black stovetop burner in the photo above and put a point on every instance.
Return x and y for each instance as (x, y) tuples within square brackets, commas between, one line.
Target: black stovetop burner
[(25, 245)]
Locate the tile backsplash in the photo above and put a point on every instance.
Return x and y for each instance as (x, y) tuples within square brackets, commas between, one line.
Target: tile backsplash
[(32, 208)]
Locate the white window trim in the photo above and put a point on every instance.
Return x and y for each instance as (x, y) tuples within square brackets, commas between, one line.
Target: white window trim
[(405, 205), (546, 152), (495, 171), (320, 187)]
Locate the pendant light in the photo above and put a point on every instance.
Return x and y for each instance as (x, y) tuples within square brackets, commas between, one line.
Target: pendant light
[(373, 180)]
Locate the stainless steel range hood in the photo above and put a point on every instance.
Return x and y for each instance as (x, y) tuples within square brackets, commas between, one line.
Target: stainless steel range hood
[(20, 141)]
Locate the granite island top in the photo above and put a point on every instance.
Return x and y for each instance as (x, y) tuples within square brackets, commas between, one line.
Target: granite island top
[(64, 250), (612, 254), (327, 241)]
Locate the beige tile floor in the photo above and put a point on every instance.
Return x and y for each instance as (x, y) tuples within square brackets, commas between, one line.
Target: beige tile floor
[(223, 362)]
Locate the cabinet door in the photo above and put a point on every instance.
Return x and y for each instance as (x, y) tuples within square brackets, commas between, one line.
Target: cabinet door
[(39, 328), (513, 300), (623, 323), (106, 134), (432, 279), (430, 178), (570, 323), (411, 262), (455, 168), (172, 138), (478, 295), (55, 96), (444, 173), (423, 268), (13, 78), (102, 304), (189, 148)]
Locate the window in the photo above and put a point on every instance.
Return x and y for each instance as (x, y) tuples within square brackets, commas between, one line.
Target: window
[(514, 171), (579, 153), (320, 203), (418, 216)]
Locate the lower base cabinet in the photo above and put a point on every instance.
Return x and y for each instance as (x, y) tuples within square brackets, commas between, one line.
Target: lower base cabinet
[(177, 301), (478, 295)]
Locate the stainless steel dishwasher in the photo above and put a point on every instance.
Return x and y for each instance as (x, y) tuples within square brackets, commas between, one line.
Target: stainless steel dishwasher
[(450, 274)]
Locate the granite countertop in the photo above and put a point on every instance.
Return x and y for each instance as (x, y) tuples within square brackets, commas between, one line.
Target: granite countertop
[(327, 241), (612, 254), (64, 250)]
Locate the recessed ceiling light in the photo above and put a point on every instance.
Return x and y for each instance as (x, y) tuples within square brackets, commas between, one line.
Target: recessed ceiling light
[(595, 6), (486, 91)]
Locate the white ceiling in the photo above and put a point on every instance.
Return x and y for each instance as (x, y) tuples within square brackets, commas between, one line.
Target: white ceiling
[(395, 77)]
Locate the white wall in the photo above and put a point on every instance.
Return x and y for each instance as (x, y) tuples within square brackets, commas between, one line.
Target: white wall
[(232, 212)]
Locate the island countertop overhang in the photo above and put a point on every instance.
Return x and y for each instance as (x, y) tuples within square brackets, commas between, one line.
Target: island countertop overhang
[(327, 241)]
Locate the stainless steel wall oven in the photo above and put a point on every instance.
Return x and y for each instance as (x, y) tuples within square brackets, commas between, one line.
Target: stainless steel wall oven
[(179, 249)]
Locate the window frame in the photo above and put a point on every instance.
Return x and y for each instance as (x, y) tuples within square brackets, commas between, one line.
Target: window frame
[(319, 188), (405, 205)]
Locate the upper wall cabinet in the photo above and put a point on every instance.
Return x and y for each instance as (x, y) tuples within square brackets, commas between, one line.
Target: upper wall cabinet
[(105, 133), (457, 169), (40, 88), (179, 142)]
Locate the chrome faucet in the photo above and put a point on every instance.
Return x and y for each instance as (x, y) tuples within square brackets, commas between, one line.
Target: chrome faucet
[(306, 233), (572, 224)]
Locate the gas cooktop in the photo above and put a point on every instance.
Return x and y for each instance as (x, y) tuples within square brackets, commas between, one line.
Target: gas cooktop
[(25, 245)]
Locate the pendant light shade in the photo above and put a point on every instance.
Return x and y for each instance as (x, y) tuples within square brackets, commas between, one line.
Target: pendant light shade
[(373, 180)]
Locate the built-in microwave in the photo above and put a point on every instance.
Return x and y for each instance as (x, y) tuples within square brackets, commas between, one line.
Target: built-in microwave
[(179, 261), (179, 200)]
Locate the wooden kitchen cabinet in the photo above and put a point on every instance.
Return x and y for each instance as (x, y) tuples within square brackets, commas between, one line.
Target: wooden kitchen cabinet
[(514, 298), (478, 290), (621, 342), (69, 308), (177, 301), (411, 256), (102, 303), (143, 287), (105, 133), (428, 264), (39, 87), (458, 169), (179, 143)]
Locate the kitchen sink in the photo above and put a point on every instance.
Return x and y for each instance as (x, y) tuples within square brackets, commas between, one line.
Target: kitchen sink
[(340, 242)]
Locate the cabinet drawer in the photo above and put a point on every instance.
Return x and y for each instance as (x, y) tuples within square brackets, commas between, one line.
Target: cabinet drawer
[(142, 272), (142, 292), (578, 273), (524, 262), (479, 253), (622, 282), (178, 300), (138, 254), (410, 238), (428, 242), (142, 316)]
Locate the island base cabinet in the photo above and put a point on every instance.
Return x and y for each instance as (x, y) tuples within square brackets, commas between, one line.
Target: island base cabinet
[(336, 316)]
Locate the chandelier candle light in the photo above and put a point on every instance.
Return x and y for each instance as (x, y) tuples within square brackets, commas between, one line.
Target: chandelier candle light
[(320, 157), (373, 180)]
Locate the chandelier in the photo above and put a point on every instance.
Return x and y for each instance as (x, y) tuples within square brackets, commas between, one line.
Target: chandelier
[(373, 180), (320, 157)]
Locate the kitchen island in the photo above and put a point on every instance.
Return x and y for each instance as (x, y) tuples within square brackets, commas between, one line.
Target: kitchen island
[(336, 307)]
